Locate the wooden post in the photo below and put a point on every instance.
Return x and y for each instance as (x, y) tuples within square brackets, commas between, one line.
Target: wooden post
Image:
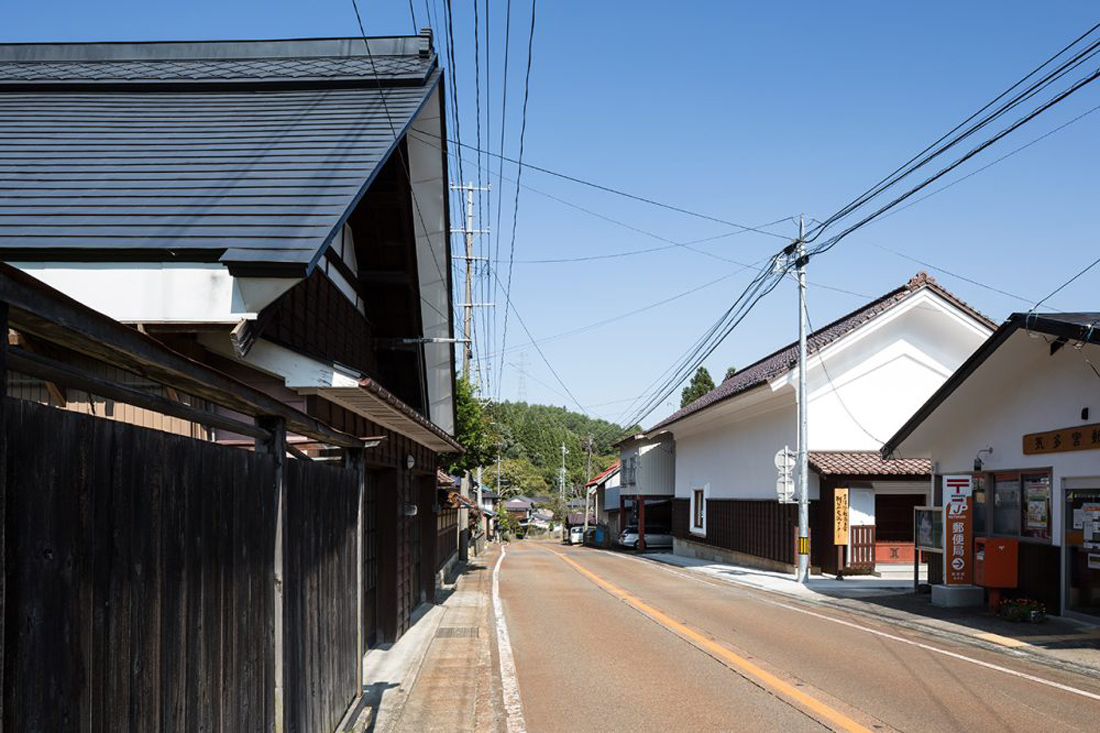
[(3, 492), (622, 512), (641, 522), (275, 446), (355, 462)]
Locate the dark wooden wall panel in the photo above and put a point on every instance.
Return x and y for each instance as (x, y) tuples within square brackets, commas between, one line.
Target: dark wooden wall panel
[(681, 518), (761, 528), (137, 567), (321, 614)]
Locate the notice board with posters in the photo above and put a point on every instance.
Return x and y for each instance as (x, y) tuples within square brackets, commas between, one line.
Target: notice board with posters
[(958, 530)]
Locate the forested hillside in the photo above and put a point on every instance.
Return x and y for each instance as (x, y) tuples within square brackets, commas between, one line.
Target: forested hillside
[(531, 438)]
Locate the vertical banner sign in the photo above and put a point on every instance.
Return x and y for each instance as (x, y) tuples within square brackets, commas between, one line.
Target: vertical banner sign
[(957, 530), (840, 517)]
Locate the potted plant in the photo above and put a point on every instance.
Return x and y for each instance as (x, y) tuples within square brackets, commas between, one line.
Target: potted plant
[(1023, 610)]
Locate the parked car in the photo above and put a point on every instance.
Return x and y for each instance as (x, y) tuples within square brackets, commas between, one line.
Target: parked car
[(655, 537), (576, 535)]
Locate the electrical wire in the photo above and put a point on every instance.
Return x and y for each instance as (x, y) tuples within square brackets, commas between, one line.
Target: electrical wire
[(1064, 285), (519, 176)]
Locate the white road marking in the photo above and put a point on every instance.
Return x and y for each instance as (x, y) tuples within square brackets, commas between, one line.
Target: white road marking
[(512, 705), (876, 632)]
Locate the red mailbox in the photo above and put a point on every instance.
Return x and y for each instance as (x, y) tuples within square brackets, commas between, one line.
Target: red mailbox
[(995, 562)]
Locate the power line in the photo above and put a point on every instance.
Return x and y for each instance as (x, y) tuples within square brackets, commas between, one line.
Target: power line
[(917, 161), (519, 176), (829, 244), (1065, 284), (618, 192), (412, 14), (500, 162)]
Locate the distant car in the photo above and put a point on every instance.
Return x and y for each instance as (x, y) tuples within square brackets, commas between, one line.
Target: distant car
[(655, 537), (576, 535)]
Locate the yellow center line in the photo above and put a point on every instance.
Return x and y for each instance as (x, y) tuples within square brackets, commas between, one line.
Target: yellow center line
[(760, 675)]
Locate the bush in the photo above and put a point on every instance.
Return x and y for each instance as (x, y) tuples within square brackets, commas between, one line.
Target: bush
[(1022, 610)]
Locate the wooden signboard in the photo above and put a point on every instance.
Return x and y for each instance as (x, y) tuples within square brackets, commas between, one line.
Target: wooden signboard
[(958, 531), (840, 517), (1081, 437)]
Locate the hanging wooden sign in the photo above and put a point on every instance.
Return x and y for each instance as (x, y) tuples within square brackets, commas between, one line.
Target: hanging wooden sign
[(1082, 437)]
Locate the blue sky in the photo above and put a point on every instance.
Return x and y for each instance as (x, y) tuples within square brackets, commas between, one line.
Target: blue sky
[(750, 112)]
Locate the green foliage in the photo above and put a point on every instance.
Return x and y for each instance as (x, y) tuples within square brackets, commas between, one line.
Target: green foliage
[(730, 372), (472, 431), (506, 526), (700, 384), (531, 438)]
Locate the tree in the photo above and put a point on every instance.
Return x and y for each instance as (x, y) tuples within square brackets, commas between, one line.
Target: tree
[(700, 384), (730, 372), (472, 431), (520, 476)]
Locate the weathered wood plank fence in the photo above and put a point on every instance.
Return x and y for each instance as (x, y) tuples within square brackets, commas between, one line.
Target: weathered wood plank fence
[(151, 581)]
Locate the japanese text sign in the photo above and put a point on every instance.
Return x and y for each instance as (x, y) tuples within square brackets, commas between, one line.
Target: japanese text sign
[(840, 517), (958, 530), (1081, 437)]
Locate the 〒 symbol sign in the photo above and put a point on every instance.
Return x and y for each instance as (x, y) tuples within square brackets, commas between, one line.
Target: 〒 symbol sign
[(957, 529)]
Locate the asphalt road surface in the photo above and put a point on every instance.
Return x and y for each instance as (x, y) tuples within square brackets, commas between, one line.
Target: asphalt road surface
[(608, 642)]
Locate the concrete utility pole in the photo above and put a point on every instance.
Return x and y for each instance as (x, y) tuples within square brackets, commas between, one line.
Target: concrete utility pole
[(803, 455), (468, 306), (587, 478), (561, 483)]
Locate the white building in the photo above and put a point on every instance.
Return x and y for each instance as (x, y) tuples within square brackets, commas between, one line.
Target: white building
[(1022, 417), (868, 372)]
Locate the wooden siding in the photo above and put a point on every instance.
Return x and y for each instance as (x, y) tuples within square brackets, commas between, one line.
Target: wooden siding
[(755, 527), (315, 318), (447, 536), (23, 387), (137, 568), (321, 624)]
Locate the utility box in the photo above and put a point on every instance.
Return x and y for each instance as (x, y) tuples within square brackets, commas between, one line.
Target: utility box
[(995, 562)]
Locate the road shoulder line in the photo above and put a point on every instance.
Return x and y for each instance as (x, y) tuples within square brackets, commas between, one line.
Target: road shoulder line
[(513, 706)]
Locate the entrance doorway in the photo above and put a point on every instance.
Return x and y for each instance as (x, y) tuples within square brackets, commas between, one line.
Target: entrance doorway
[(1082, 543)]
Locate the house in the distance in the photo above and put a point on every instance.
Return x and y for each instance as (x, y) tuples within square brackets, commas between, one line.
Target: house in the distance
[(647, 478), (603, 493), (868, 372)]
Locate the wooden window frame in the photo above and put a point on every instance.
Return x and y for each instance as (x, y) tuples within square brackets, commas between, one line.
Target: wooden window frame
[(697, 510)]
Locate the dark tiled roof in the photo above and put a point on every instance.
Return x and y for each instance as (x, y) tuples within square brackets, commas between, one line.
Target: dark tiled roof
[(215, 156), (786, 358), (835, 463)]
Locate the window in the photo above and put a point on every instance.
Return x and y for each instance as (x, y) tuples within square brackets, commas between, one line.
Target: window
[(1006, 504), (1036, 505), (980, 507), (1021, 505), (697, 514)]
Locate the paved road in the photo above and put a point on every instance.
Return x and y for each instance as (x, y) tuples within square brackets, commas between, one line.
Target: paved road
[(604, 641)]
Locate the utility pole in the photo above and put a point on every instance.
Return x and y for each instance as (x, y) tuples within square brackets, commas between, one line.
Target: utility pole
[(561, 484), (469, 305), (587, 478), (803, 455)]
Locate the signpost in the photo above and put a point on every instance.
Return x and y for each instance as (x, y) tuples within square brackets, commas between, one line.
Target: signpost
[(958, 531), (840, 527), (784, 485)]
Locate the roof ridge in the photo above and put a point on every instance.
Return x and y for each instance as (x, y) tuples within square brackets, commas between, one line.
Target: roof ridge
[(920, 281)]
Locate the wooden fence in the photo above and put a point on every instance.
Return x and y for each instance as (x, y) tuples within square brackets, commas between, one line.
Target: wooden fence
[(140, 577), (755, 527)]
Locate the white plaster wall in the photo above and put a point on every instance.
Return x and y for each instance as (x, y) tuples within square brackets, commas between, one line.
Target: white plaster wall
[(737, 458), (160, 292), (1020, 389), (433, 268), (657, 467), (861, 390)]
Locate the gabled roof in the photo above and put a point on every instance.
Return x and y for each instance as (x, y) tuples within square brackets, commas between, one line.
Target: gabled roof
[(251, 153), (1065, 327), (604, 474), (785, 359), (863, 463)]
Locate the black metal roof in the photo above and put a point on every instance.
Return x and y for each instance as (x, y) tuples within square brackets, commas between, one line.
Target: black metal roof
[(251, 153)]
